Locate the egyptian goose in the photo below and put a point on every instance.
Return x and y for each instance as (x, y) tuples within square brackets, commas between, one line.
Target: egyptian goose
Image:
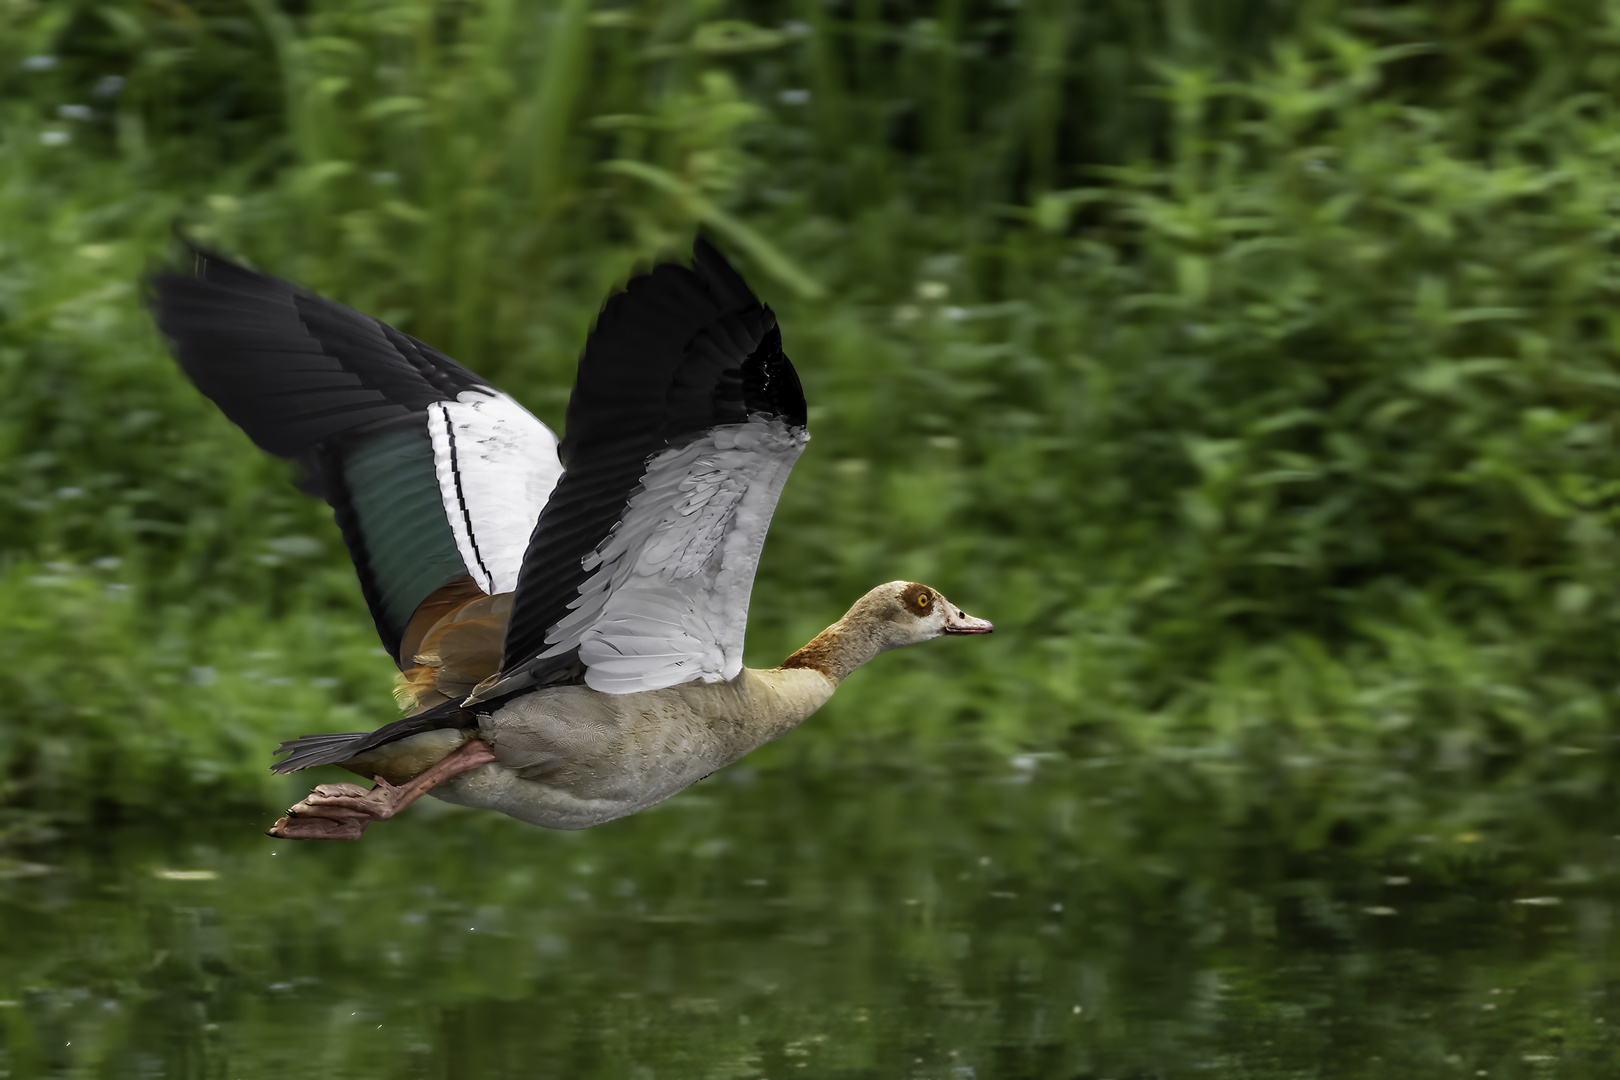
[(567, 617)]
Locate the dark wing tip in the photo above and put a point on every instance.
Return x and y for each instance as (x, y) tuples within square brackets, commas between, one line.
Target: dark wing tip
[(194, 262), (770, 385), (722, 279)]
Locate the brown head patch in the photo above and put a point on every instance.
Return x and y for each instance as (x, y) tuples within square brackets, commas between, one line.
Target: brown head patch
[(917, 599)]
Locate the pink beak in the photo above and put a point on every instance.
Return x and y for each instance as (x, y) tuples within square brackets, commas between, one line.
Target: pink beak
[(958, 621)]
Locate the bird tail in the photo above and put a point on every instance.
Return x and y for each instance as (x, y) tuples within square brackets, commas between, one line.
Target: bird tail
[(308, 751)]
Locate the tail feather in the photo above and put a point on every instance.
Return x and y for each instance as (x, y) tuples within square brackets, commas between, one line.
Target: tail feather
[(308, 751)]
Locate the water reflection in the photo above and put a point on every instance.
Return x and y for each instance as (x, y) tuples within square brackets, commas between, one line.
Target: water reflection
[(1033, 919)]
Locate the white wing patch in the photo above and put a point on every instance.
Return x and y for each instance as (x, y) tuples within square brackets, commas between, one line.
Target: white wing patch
[(668, 601), (496, 466)]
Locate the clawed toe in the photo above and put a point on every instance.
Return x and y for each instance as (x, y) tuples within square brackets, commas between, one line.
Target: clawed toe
[(301, 827), (335, 812), (339, 789), (345, 800)]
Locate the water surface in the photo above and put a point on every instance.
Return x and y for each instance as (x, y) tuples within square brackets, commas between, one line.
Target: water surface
[(1166, 917)]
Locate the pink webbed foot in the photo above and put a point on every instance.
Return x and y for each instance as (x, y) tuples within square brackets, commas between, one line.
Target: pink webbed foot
[(336, 812)]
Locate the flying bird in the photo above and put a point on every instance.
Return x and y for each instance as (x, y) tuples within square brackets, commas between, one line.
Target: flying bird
[(567, 616)]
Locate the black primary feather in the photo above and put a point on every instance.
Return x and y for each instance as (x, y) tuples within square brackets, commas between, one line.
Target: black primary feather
[(679, 352), (339, 392)]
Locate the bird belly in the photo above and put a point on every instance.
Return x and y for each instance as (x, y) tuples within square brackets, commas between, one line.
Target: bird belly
[(569, 758)]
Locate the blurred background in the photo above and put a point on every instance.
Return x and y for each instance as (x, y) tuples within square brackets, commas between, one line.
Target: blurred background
[(1252, 364)]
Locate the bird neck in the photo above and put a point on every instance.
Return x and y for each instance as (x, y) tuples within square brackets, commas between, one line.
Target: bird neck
[(841, 648)]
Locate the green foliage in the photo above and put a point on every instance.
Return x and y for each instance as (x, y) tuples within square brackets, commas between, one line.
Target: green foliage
[(1251, 365)]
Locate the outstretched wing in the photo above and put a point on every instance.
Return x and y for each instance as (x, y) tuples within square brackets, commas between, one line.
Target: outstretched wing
[(685, 420), (435, 477)]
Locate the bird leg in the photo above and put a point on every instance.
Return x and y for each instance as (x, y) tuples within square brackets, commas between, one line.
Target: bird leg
[(343, 811)]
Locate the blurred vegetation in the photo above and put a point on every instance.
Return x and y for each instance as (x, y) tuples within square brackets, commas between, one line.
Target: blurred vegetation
[(1252, 365)]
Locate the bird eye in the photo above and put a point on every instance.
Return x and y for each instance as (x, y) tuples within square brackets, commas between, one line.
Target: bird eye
[(922, 601)]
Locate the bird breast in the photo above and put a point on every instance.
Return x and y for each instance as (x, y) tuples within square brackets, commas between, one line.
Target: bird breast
[(570, 756)]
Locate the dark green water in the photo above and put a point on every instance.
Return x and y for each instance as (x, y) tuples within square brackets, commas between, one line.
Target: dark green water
[(1033, 918)]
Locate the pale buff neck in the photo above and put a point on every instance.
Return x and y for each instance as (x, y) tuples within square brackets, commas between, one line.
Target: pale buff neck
[(777, 701)]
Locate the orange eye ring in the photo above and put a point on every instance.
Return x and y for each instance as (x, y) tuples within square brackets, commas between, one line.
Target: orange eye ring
[(923, 600)]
